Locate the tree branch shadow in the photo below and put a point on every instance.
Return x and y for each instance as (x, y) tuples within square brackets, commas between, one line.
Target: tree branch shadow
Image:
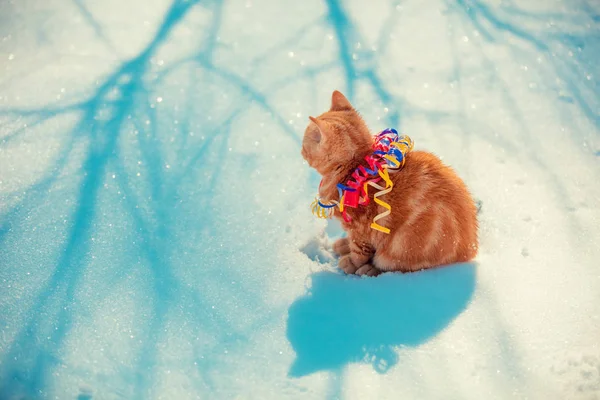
[(318, 322)]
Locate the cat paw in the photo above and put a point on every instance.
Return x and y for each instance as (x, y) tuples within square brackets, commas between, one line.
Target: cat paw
[(366, 269), (341, 247), (346, 265)]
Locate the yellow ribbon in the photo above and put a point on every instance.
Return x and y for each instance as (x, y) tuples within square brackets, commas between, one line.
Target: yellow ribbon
[(322, 212), (383, 173), (404, 144)]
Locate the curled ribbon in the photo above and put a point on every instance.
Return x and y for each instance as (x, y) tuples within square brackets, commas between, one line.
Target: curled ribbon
[(322, 210), (389, 155), (389, 185)]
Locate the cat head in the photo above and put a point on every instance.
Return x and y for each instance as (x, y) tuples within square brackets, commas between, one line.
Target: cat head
[(336, 138)]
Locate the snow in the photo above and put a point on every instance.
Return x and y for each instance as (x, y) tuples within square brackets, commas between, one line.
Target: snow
[(156, 239)]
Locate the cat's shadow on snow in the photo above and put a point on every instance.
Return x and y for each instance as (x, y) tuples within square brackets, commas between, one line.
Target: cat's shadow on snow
[(344, 319)]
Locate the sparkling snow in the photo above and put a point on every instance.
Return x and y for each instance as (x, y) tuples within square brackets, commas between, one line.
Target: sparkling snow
[(156, 239)]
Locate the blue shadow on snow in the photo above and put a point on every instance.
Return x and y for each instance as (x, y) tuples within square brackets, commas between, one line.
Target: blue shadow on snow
[(345, 319)]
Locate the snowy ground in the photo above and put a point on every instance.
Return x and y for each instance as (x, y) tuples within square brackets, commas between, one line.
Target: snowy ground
[(155, 233)]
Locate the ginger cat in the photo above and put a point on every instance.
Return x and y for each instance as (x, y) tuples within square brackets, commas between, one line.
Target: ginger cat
[(433, 220)]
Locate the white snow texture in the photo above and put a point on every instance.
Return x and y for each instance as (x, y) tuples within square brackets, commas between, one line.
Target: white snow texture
[(156, 239)]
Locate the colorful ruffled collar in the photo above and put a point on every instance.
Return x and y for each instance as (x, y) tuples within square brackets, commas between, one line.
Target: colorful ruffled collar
[(389, 156)]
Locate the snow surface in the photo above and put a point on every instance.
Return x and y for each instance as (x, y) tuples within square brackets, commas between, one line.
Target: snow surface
[(155, 233)]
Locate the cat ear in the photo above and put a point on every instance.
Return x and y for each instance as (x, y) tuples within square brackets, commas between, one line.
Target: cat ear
[(321, 125), (339, 102)]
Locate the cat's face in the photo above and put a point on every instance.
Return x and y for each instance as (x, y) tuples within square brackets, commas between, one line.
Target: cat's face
[(336, 137)]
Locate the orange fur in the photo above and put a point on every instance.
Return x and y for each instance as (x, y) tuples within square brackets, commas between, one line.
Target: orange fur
[(433, 220)]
